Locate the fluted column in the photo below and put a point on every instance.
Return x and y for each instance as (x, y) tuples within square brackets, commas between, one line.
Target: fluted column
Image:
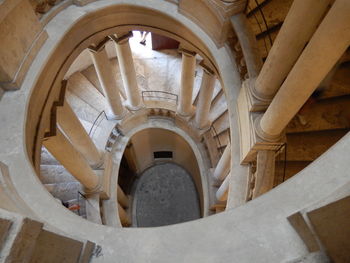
[(127, 70), (204, 100), (248, 43), (185, 107), (76, 133), (63, 150), (224, 164), (108, 82), (222, 192), (327, 45), (298, 27)]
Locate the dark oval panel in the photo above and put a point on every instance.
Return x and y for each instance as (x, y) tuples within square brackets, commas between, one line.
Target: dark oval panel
[(165, 194)]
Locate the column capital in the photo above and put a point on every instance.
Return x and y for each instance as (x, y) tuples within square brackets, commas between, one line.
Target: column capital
[(121, 39), (186, 52), (207, 69), (100, 46)]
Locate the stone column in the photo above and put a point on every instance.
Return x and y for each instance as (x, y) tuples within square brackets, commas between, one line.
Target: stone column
[(76, 133), (248, 43), (291, 39), (222, 192), (127, 70), (123, 216), (265, 172), (108, 82), (185, 107), (224, 164), (122, 198), (62, 149), (204, 100), (327, 45)]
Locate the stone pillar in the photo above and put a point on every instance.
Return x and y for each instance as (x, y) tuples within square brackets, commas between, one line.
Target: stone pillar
[(248, 43), (204, 100), (222, 192), (76, 133), (224, 164), (108, 82), (265, 172), (122, 198), (123, 216), (62, 149), (291, 39), (185, 107), (127, 70), (327, 45)]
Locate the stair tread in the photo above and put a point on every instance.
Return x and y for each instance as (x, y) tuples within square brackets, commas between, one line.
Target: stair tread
[(81, 108), (218, 107), (51, 174), (84, 89), (323, 115), (64, 191), (222, 123), (47, 158), (309, 146), (291, 169)]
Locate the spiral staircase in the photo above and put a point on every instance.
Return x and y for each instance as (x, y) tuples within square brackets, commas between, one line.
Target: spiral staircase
[(76, 101)]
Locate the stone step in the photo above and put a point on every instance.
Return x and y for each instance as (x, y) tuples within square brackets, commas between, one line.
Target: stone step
[(84, 89), (64, 191), (218, 107), (47, 158), (223, 138), (320, 115), (309, 146), (285, 170), (222, 122), (51, 174), (83, 110), (91, 75)]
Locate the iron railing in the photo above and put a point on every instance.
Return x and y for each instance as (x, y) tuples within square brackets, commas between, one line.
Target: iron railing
[(158, 94), (97, 122)]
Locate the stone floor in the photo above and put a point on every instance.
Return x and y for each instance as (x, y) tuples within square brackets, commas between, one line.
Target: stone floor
[(165, 194)]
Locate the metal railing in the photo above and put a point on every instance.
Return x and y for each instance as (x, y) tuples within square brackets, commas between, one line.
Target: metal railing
[(158, 94), (97, 122)]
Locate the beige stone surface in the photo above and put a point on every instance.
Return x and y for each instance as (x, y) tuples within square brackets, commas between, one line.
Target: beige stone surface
[(19, 28)]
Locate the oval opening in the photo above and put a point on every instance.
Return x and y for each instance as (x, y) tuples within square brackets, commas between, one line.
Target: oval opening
[(160, 171)]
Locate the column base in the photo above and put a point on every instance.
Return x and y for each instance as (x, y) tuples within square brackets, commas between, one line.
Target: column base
[(256, 102), (99, 164), (187, 115), (98, 188), (130, 107), (252, 138), (204, 128), (113, 117)]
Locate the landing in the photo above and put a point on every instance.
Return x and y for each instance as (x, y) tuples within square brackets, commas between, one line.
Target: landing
[(165, 195)]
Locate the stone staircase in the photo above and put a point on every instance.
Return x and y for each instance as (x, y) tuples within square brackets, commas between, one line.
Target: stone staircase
[(159, 71), (323, 120), (61, 184)]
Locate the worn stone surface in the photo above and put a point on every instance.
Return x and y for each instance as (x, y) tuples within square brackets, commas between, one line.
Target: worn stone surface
[(54, 248), (25, 241), (165, 195), (4, 228)]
